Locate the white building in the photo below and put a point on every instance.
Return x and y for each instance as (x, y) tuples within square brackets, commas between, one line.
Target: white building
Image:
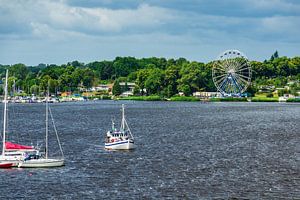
[(207, 94)]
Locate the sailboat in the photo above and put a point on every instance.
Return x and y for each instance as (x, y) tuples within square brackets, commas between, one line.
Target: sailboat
[(12, 153), (39, 161), (120, 139)]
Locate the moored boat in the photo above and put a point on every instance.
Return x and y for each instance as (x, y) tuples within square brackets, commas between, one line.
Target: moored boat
[(120, 139), (12, 152), (41, 162), (37, 161), (6, 164)]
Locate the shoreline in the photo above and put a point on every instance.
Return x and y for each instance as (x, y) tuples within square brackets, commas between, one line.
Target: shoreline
[(156, 98)]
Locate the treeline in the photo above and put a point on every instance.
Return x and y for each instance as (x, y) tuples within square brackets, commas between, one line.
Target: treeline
[(160, 76)]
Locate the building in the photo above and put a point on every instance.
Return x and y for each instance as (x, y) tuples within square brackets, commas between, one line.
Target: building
[(130, 89), (99, 88), (205, 95), (130, 86)]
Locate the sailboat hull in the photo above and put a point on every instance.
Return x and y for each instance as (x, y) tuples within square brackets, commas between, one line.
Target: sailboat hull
[(6, 164), (14, 158), (42, 162), (120, 145)]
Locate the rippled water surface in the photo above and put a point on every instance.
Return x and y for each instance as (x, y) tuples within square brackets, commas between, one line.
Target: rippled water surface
[(184, 151)]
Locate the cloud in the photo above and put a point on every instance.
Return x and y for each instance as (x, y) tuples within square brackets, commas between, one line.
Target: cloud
[(34, 31), (45, 16)]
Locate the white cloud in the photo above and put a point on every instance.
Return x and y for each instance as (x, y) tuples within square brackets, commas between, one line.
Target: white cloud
[(45, 15)]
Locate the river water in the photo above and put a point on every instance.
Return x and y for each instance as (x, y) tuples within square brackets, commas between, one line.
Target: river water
[(184, 151)]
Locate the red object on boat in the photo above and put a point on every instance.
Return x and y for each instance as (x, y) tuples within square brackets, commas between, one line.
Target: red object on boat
[(6, 165), (14, 146)]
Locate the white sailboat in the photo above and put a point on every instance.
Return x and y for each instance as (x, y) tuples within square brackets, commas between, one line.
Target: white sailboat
[(12, 153), (37, 161), (120, 139)]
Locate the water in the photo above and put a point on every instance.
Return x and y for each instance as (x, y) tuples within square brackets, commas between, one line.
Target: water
[(184, 151)]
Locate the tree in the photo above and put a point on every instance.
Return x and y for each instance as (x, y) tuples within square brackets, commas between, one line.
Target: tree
[(44, 83), (52, 84), (88, 77), (171, 77), (34, 89), (153, 83), (276, 54), (116, 90), (186, 89), (193, 78), (141, 78), (19, 71), (126, 88)]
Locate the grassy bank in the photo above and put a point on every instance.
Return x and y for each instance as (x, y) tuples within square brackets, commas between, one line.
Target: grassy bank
[(264, 99), (183, 98), (142, 98), (100, 97), (294, 100)]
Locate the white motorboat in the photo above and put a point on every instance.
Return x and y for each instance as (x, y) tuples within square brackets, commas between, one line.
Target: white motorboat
[(120, 139), (37, 161)]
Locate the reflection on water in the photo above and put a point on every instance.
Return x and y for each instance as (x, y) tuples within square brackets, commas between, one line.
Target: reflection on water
[(184, 151)]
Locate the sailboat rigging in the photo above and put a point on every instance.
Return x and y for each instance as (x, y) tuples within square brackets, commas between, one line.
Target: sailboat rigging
[(37, 162), (12, 153), (120, 139)]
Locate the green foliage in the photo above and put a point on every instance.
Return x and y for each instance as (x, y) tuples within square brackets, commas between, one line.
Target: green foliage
[(153, 83), (184, 98), (194, 77), (264, 99), (143, 98), (34, 89), (295, 100), (141, 79), (152, 76), (281, 93), (116, 90)]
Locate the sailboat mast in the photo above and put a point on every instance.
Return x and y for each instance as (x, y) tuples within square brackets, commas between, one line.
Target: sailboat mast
[(47, 123), (123, 118), (5, 112)]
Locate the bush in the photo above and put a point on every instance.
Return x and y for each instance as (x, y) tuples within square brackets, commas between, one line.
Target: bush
[(184, 98), (296, 100), (264, 99), (143, 98), (269, 95)]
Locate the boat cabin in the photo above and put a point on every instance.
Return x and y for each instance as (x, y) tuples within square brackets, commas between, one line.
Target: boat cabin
[(113, 136)]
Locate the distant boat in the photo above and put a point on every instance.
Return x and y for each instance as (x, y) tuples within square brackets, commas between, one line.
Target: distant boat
[(11, 152), (37, 161), (120, 139)]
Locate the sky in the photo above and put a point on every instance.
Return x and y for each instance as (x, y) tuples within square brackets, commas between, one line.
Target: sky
[(60, 31)]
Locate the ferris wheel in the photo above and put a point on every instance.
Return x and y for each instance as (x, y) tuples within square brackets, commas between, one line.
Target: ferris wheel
[(231, 73)]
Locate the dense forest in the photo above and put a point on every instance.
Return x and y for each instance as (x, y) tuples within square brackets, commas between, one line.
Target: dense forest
[(160, 76)]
